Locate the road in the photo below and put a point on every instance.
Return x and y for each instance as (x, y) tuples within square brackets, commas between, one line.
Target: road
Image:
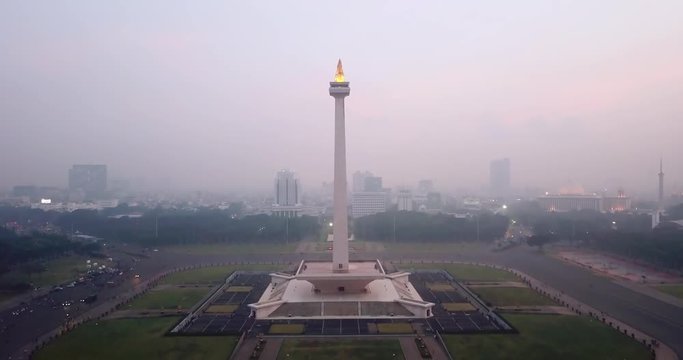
[(658, 319), (655, 318)]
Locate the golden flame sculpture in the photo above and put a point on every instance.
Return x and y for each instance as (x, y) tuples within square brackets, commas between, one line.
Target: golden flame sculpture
[(339, 76)]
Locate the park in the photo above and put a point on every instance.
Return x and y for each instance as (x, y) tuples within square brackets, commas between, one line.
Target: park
[(141, 328)]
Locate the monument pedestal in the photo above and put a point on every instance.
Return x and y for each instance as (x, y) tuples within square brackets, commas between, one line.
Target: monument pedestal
[(365, 291)]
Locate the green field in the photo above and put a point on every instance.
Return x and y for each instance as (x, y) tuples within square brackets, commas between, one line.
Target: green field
[(169, 298), (466, 272), (549, 337), (221, 309), (213, 274), (231, 249), (5, 296), (674, 290), (395, 328), (512, 296), (340, 350), (134, 339), (458, 307)]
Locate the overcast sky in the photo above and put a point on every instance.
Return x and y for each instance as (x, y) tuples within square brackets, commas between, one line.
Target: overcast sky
[(220, 95)]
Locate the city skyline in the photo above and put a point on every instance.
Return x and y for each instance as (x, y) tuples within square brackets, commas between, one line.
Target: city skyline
[(454, 87), (364, 176)]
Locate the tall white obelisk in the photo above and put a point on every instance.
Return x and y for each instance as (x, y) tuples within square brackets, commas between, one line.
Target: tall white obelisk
[(339, 89)]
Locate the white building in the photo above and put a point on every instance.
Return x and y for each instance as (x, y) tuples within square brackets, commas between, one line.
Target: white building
[(404, 200), (577, 202), (368, 203), (570, 202), (287, 195)]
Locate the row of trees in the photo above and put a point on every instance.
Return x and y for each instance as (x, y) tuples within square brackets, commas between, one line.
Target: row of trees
[(577, 225), (406, 226), (16, 249), (660, 247), (161, 226), (158, 226), (625, 234)]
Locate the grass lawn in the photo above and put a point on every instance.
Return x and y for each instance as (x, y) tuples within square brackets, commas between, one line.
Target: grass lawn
[(458, 307), (134, 339), (466, 272), (221, 309), (394, 328), (170, 298), (340, 350), (511, 296), (286, 329), (6, 295), (675, 290), (213, 274), (227, 249), (440, 287), (549, 337)]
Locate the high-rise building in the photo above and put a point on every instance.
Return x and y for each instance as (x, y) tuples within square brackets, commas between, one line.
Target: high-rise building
[(359, 180), (368, 197), (404, 200), (91, 180), (368, 203), (434, 201), (373, 184), (287, 195), (499, 176)]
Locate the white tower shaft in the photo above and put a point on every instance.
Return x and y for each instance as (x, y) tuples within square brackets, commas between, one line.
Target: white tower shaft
[(340, 252)]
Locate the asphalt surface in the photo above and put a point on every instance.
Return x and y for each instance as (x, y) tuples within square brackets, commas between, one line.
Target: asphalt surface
[(658, 319)]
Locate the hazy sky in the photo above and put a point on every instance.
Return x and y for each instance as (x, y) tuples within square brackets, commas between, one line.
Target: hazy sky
[(220, 95)]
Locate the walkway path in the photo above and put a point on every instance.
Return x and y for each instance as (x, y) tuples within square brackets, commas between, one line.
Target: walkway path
[(409, 348), (649, 291)]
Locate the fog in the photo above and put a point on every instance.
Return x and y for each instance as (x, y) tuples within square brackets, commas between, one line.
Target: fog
[(219, 96)]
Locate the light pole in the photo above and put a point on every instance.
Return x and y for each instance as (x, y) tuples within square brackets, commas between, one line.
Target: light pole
[(394, 227), (287, 230)]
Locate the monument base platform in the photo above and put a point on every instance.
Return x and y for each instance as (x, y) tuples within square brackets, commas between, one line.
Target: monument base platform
[(317, 292)]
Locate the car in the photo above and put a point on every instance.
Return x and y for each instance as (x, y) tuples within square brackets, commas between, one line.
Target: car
[(137, 276)]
